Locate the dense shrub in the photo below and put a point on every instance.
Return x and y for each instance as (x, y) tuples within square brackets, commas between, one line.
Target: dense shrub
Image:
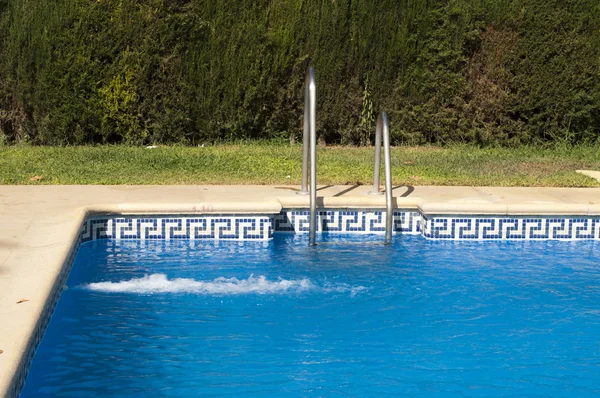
[(487, 71)]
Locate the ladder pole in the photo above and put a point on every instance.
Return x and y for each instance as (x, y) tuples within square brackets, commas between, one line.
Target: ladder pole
[(389, 221), (377, 166), (305, 138), (312, 91)]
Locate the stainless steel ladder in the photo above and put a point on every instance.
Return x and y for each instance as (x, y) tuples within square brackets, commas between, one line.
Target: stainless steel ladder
[(383, 129), (310, 148), (310, 141)]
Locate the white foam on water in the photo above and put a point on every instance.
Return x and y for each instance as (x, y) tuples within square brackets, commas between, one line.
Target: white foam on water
[(343, 288), (159, 283)]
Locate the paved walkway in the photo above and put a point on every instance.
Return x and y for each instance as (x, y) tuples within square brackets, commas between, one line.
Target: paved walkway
[(39, 224)]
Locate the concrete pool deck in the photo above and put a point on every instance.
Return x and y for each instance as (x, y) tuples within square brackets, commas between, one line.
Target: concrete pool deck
[(40, 224)]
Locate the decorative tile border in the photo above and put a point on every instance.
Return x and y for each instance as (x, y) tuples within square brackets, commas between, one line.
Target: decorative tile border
[(511, 228), (244, 227), (348, 221), (234, 227), (408, 222)]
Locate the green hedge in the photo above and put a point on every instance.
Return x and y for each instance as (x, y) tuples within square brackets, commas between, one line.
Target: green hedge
[(492, 72)]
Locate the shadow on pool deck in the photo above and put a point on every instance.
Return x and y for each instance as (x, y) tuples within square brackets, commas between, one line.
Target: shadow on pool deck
[(409, 189)]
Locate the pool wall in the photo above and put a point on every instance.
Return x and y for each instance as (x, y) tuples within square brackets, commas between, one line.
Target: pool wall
[(343, 220), (366, 221), (512, 228), (245, 226)]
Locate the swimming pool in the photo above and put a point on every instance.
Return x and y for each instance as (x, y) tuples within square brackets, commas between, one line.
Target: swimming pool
[(350, 317)]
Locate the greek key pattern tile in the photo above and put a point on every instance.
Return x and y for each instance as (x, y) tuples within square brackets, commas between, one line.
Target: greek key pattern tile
[(512, 228), (347, 221), (242, 227), (408, 222)]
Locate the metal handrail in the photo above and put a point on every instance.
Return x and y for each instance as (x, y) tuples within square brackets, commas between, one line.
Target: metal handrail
[(310, 141), (383, 129)]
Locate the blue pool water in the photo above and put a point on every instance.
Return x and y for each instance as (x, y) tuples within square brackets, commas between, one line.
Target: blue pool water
[(350, 317)]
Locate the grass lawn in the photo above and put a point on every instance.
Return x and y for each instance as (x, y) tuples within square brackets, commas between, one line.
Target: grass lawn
[(281, 164)]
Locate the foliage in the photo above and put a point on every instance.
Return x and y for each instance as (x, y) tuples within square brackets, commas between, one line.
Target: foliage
[(489, 72)]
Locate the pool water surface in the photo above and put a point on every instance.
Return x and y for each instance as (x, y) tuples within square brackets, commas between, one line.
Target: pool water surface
[(349, 317)]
